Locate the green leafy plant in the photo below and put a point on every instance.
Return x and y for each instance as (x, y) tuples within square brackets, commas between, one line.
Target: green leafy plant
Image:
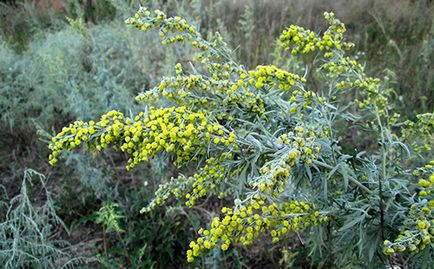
[(108, 217)]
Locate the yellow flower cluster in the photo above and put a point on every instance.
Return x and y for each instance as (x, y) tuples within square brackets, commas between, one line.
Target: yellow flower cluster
[(418, 230), (271, 75), (300, 101), (420, 134), (171, 29), (211, 56), (178, 89), (344, 72), (304, 139), (370, 92), (350, 74), (246, 101), (207, 93), (171, 129), (297, 39), (243, 92), (299, 145), (205, 181), (242, 224), (192, 187), (79, 132), (274, 176), (176, 29), (343, 66)]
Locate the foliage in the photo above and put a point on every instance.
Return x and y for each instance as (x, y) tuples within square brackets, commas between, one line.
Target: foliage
[(109, 217), (56, 68), (27, 228), (397, 39), (79, 71), (270, 148)]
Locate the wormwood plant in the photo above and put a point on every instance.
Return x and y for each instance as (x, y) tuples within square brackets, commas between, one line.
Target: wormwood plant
[(26, 228), (273, 146)]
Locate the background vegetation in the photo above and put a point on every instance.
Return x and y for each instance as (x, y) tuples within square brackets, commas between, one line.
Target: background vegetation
[(78, 60)]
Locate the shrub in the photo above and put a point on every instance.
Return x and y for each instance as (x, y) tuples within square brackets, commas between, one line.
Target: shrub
[(281, 151), (27, 229)]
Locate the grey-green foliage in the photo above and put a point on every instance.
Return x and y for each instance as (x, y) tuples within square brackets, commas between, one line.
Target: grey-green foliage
[(80, 71), (63, 74), (247, 28), (9, 67), (27, 226), (73, 71), (89, 172), (60, 75)]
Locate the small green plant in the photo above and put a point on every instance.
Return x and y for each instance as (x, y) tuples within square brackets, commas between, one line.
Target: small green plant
[(108, 217), (270, 145)]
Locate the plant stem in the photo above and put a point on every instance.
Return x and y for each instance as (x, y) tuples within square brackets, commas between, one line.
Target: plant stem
[(104, 241), (353, 180), (383, 170)]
